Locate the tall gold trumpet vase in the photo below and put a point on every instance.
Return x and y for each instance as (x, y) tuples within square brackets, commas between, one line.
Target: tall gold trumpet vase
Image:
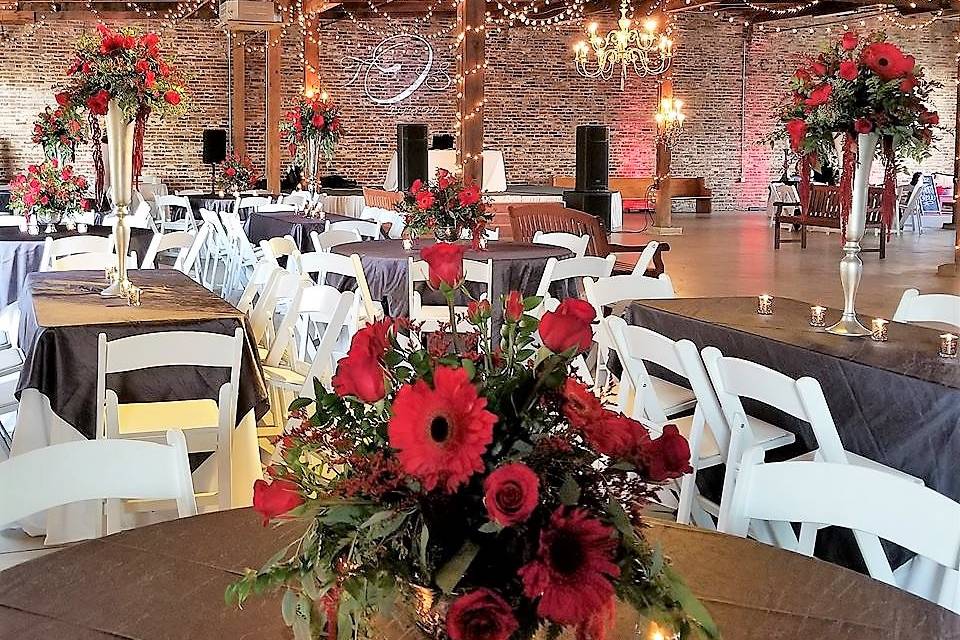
[(120, 156)]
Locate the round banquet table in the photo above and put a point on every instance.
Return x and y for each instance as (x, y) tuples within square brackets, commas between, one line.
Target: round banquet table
[(20, 254), (263, 226), (217, 202), (167, 581), (516, 265)]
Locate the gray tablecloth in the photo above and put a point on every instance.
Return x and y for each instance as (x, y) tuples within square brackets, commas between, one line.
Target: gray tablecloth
[(20, 254), (263, 226), (516, 265), (62, 314)]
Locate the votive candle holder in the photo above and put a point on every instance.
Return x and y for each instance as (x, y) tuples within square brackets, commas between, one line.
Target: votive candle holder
[(818, 316), (948, 345), (878, 329), (765, 305)]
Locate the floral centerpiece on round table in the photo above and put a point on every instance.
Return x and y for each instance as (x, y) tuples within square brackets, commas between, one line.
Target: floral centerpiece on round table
[(310, 129), (859, 85), (445, 206), (59, 130), (474, 483), (48, 192), (236, 173)]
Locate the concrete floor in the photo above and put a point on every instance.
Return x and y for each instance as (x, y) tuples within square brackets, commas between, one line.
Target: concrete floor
[(731, 254)]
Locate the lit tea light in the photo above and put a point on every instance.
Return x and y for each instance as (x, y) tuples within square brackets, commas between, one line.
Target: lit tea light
[(765, 305), (482, 244), (818, 316), (878, 329), (948, 345)]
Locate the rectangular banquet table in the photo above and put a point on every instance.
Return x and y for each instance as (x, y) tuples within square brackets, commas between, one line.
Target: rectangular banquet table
[(263, 226), (62, 315)]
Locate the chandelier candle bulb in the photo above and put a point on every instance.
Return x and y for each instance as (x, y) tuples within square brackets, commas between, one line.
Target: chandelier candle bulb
[(948, 345), (817, 316), (878, 329), (765, 305)]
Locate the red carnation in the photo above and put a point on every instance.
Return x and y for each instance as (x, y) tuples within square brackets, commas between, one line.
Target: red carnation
[(480, 615), (930, 118), (230, 171), (580, 406), (275, 498), (574, 566), (569, 326), (150, 40), (849, 41), (666, 457), (99, 102), (63, 98), (862, 125), (820, 95), (360, 376), (908, 84), (819, 68), (149, 78), (511, 493), (886, 60), (445, 262), (797, 130), (848, 70), (470, 195), (513, 307), (416, 187), (172, 97), (441, 433)]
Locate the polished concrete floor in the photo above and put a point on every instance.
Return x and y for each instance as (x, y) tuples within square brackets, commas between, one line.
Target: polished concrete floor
[(731, 254)]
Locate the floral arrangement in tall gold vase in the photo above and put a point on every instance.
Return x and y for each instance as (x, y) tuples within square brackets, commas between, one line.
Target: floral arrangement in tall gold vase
[(310, 129), (872, 96), (122, 76), (469, 487)]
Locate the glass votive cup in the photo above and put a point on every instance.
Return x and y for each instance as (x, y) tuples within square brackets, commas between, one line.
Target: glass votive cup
[(81, 227), (407, 244), (482, 244), (765, 305), (818, 316), (878, 329), (948, 345)]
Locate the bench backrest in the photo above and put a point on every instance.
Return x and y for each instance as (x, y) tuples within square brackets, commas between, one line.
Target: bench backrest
[(825, 203), (381, 199), (527, 219), (638, 188)]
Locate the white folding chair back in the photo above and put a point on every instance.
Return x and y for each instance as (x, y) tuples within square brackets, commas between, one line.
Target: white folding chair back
[(583, 267), (188, 262), (326, 240), (72, 245), (250, 202), (865, 500), (139, 218), (432, 315), (576, 244), (940, 308), (62, 474), (323, 263), (94, 261), (216, 252), (298, 199), (606, 291), (255, 286), (646, 258), (368, 230), (207, 424), (167, 223), (912, 210), (281, 290), (285, 247), (14, 221), (180, 240)]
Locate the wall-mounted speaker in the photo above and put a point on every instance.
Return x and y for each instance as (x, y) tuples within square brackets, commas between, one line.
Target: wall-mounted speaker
[(411, 155), (593, 157), (214, 146)]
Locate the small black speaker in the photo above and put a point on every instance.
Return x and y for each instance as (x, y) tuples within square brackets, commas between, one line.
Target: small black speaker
[(442, 141), (214, 146), (411, 154), (593, 157), (596, 203)]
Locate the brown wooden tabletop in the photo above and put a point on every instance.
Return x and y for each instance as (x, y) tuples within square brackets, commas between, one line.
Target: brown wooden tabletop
[(167, 581)]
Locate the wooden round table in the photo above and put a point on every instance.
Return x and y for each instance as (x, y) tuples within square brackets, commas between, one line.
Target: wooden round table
[(167, 582)]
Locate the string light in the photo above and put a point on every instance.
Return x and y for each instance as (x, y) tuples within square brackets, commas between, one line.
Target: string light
[(786, 11)]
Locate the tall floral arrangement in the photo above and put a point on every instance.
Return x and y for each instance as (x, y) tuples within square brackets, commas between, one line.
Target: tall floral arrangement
[(48, 192), (125, 67), (859, 85), (445, 202), (59, 130), (314, 118), (474, 483), (236, 173)]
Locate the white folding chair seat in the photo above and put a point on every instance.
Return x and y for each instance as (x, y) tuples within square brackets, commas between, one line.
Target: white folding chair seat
[(576, 244), (368, 230), (940, 308), (326, 240), (432, 315)]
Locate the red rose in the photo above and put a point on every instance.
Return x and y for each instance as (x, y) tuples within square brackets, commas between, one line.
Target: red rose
[(149, 78), (172, 97), (164, 69), (797, 130), (820, 95), (849, 41), (444, 178), (275, 498), (886, 60), (848, 70), (230, 171), (335, 125), (513, 307), (470, 195), (63, 98), (480, 615), (819, 68), (67, 173), (862, 125), (28, 199), (318, 121), (99, 102), (907, 84), (425, 199), (360, 376), (666, 457), (445, 262), (85, 68), (150, 40), (511, 493), (416, 187), (141, 65), (569, 326), (373, 340), (930, 117), (478, 311)]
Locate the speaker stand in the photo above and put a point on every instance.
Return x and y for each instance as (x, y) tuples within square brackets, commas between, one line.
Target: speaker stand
[(213, 178)]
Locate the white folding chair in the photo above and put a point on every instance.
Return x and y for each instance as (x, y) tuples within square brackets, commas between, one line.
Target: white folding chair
[(277, 208), (584, 267), (10, 220), (256, 285), (391, 222), (62, 474), (576, 244), (167, 220), (432, 315), (368, 230), (322, 263), (72, 245), (283, 247), (250, 203), (281, 290), (216, 254), (646, 258), (868, 501), (140, 218), (179, 240), (489, 234), (299, 199), (243, 255), (911, 210), (780, 192), (93, 261), (940, 308), (189, 262), (326, 240), (207, 424)]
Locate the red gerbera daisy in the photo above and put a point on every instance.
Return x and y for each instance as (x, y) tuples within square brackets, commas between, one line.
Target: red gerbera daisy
[(571, 574), (441, 434)]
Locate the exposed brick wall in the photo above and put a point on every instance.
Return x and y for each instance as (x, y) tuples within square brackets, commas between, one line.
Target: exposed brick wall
[(535, 99)]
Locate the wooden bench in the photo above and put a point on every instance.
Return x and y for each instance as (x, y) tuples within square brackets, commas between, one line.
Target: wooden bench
[(381, 199), (824, 212), (527, 219), (636, 192)]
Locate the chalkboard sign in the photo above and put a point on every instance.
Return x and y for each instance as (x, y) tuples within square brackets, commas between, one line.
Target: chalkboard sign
[(929, 200)]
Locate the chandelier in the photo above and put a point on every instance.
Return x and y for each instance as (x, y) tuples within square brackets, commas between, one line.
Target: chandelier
[(669, 119), (646, 51)]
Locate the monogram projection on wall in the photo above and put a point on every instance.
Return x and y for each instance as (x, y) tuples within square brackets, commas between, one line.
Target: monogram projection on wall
[(396, 68)]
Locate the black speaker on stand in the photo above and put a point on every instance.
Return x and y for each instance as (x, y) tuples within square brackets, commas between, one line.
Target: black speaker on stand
[(411, 154), (591, 192), (214, 152)]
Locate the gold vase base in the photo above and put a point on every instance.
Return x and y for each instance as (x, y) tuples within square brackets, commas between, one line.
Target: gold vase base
[(849, 327), (123, 289)]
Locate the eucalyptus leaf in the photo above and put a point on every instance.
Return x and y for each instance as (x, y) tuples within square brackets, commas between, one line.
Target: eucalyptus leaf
[(453, 570), (424, 541), (490, 527), (569, 491)]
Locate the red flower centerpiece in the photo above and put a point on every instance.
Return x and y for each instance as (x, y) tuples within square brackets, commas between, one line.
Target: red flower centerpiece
[(445, 207), (48, 193), (59, 131), (477, 491), (236, 173), (313, 127)]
